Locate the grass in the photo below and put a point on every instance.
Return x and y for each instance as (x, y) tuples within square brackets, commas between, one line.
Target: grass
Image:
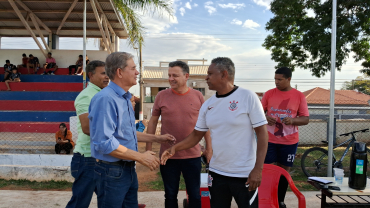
[(299, 178), (158, 183), (26, 184)]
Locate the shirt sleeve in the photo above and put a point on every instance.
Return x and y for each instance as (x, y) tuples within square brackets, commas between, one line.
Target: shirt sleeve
[(56, 136), (156, 107), (69, 135), (103, 123), (201, 123), (82, 104), (303, 108), (255, 111)]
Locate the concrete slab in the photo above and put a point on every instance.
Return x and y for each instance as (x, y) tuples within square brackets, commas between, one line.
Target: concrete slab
[(155, 199)]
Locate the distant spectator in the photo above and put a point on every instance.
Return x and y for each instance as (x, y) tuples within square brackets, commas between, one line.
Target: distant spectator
[(24, 61), (33, 62), (140, 127), (8, 69), (80, 71), (50, 64), (64, 140), (13, 77), (77, 66)]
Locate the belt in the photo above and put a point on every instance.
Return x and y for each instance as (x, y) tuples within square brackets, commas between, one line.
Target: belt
[(120, 163)]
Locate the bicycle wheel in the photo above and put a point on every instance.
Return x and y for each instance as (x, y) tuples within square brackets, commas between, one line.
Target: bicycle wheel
[(314, 162)]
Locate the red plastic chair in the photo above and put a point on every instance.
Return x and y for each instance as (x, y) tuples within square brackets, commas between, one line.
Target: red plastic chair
[(268, 190)]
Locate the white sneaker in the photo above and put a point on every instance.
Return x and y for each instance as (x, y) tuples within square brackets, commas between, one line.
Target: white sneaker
[(52, 73)]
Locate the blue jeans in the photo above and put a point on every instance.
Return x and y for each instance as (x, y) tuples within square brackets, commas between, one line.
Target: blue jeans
[(82, 169), (190, 169), (117, 185)]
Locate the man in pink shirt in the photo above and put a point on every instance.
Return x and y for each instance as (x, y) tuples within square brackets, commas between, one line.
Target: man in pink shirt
[(179, 107), (50, 64), (286, 109)]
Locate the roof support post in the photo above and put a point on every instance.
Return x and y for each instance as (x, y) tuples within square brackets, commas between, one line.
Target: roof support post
[(117, 43), (84, 46), (67, 15), (99, 21), (103, 14), (34, 21), (38, 19), (107, 33), (12, 3)]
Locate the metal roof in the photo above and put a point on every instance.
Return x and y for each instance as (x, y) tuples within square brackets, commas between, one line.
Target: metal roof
[(50, 14), (155, 72)]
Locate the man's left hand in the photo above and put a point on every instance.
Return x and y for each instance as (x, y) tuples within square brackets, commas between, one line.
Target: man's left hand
[(288, 121), (166, 138), (254, 179)]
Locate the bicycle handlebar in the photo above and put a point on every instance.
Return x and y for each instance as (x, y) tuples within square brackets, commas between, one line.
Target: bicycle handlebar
[(352, 132)]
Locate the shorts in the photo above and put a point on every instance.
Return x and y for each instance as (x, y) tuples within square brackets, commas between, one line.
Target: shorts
[(281, 153), (51, 65)]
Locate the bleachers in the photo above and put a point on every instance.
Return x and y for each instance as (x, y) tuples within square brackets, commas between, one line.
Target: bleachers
[(30, 114)]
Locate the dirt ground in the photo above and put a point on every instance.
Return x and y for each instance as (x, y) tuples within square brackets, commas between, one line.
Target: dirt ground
[(144, 174)]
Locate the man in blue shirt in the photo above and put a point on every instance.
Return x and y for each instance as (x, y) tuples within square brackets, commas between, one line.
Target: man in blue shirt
[(114, 138)]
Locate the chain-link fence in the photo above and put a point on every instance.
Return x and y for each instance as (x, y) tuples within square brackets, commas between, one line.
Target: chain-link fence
[(352, 112), (37, 137)]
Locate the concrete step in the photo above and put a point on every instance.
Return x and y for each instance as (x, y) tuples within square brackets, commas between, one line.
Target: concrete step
[(35, 105), (36, 116), (71, 96), (43, 86)]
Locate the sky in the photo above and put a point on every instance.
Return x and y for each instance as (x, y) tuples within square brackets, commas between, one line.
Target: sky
[(208, 29)]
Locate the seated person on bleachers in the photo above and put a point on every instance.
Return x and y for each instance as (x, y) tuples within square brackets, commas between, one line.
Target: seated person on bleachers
[(24, 61), (33, 62), (50, 64), (13, 77), (8, 69), (79, 70), (78, 65), (63, 139)]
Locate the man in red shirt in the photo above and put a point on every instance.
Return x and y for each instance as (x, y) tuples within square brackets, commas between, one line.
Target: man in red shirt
[(286, 109), (179, 107)]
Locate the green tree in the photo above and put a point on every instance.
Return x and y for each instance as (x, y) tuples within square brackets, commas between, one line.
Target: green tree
[(130, 10), (361, 83), (300, 41)]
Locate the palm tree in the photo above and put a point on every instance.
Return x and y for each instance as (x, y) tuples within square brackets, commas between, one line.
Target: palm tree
[(132, 21)]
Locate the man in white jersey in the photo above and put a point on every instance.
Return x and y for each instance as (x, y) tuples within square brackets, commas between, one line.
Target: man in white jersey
[(230, 115)]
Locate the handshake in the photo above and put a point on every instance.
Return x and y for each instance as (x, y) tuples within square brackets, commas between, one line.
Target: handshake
[(149, 159)]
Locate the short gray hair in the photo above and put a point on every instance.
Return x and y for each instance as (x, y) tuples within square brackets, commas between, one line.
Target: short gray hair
[(225, 64), (116, 60)]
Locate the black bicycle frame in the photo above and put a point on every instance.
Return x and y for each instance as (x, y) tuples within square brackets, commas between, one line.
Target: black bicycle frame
[(351, 141)]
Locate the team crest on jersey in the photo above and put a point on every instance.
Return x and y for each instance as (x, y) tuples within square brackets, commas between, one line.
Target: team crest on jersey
[(233, 105)]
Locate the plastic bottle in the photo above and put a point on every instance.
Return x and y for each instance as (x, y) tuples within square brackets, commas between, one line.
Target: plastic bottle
[(358, 166)]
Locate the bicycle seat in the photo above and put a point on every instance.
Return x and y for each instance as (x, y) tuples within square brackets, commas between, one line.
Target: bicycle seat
[(326, 142)]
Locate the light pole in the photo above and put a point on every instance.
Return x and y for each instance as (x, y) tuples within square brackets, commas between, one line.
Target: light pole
[(141, 83), (141, 117)]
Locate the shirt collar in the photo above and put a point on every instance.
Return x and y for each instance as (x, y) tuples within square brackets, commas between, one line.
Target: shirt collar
[(121, 92), (94, 86)]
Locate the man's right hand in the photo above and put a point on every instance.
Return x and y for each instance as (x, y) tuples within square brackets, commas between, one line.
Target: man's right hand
[(149, 160), (270, 120), (167, 154)]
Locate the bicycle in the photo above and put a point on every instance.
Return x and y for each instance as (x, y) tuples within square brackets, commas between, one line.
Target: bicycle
[(314, 161)]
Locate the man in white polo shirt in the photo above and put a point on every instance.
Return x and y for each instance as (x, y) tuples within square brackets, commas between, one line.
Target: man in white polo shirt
[(230, 115)]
